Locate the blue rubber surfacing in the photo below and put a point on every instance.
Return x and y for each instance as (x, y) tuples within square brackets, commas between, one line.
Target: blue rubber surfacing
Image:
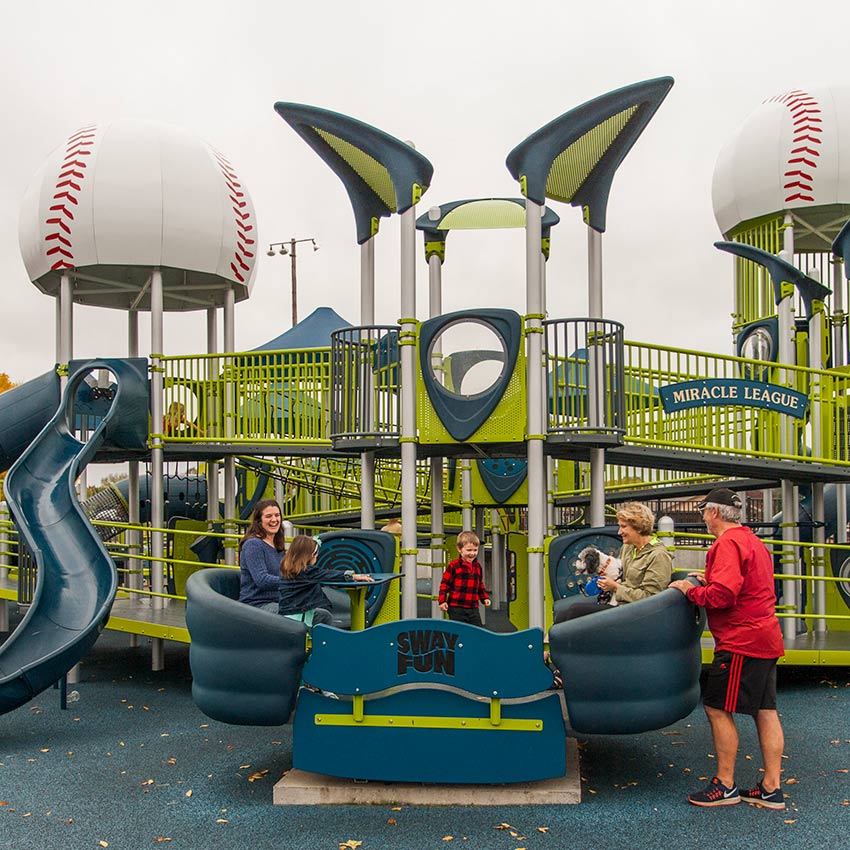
[(93, 765)]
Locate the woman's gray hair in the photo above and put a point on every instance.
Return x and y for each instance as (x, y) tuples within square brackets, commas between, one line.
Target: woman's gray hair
[(728, 513)]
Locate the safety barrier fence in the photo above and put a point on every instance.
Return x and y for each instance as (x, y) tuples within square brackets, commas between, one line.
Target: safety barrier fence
[(365, 374), (252, 397), (819, 437), (814, 556), (597, 384)]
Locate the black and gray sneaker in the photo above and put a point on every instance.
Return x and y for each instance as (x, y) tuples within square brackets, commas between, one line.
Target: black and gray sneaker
[(759, 797), (715, 794)]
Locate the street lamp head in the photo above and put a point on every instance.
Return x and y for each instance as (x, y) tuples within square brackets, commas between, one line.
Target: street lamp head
[(270, 252), (283, 250)]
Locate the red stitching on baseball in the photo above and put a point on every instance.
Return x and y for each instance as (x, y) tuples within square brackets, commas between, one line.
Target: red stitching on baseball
[(242, 257), (75, 148), (806, 135)]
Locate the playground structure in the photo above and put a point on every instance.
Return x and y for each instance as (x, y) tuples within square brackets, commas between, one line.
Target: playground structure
[(381, 422)]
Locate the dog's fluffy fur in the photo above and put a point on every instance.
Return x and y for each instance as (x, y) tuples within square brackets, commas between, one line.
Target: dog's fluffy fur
[(591, 562)]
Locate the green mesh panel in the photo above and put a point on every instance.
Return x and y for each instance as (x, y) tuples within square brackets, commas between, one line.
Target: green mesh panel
[(753, 288), (376, 177), (573, 165), (483, 215), (506, 424)]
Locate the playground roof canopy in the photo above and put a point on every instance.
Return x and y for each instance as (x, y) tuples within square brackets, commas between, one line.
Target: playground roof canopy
[(312, 332)]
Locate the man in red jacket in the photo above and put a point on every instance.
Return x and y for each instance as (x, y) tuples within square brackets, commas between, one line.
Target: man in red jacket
[(738, 595)]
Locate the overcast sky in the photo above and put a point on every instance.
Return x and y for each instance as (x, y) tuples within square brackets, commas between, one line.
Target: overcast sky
[(466, 82)]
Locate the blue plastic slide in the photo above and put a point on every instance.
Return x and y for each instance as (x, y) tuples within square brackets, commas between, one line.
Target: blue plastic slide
[(24, 411), (76, 576)]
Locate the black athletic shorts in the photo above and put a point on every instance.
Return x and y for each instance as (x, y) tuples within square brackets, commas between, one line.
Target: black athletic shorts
[(739, 684)]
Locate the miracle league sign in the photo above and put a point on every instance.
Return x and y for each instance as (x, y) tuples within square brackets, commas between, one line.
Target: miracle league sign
[(714, 392)]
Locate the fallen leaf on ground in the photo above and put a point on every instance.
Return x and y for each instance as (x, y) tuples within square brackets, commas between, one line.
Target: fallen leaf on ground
[(350, 843), (543, 829), (189, 793), (391, 821), (790, 820)]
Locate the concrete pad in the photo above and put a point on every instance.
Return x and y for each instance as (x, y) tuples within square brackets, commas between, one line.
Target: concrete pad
[(300, 788)]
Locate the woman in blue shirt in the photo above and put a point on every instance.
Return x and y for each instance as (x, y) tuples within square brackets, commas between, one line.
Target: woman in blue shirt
[(260, 551)]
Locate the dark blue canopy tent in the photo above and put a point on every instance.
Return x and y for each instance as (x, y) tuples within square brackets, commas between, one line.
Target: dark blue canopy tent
[(312, 332), (282, 397)]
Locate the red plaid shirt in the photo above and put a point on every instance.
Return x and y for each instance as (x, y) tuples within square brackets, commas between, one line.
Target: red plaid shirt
[(463, 584)]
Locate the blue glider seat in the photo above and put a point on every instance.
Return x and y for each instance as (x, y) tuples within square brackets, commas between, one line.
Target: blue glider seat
[(429, 701), (246, 663), (631, 669)]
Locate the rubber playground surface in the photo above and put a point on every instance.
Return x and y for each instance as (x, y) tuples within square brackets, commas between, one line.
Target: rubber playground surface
[(133, 764)]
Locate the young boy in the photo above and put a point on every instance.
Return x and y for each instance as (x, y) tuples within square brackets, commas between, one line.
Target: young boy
[(462, 587)]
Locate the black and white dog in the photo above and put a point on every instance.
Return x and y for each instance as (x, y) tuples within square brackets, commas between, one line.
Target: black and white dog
[(593, 563)]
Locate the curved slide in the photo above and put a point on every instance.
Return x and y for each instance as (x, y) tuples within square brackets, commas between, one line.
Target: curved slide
[(76, 576)]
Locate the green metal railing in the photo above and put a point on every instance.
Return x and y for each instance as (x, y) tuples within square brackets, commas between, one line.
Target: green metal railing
[(251, 398), (745, 431)]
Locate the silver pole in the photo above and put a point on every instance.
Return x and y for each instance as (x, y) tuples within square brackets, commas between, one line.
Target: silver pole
[(788, 561), (595, 402), (230, 524), (839, 318), (818, 508), (134, 565), (157, 461), (407, 345), (212, 367), (537, 490), (367, 318), (438, 552), (497, 560), (466, 494)]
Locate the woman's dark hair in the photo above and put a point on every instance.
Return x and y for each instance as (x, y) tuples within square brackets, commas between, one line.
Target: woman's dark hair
[(255, 529), (298, 556)]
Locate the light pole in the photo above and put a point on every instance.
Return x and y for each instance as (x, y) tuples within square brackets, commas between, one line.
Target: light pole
[(285, 248)]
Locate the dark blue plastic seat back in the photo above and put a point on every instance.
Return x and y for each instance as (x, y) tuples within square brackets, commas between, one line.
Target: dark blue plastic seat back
[(246, 663), (633, 668)]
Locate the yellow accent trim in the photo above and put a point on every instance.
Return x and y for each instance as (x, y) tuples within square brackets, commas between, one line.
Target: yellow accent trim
[(496, 711), (417, 192), (376, 224), (62, 370), (357, 708), (534, 549), (435, 247), (152, 630), (585, 214), (473, 724), (523, 185)]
